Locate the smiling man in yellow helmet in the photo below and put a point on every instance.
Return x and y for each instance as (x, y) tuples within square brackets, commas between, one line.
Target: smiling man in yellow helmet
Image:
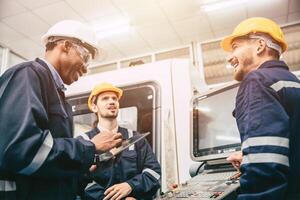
[(267, 112)]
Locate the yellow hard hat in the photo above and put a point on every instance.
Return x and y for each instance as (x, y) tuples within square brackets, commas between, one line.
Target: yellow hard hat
[(256, 25), (103, 87)]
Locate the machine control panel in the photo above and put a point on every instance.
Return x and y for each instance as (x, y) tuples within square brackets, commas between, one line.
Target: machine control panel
[(207, 186)]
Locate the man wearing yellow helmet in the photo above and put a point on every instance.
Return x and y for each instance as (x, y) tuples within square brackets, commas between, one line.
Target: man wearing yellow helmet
[(39, 158), (267, 112), (135, 174)]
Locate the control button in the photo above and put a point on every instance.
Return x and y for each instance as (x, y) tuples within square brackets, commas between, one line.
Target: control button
[(228, 182), (170, 194), (215, 195)]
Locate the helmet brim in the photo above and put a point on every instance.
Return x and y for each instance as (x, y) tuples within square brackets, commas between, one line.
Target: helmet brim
[(227, 41), (97, 92)]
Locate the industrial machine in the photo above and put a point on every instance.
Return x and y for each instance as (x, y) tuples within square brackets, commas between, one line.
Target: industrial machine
[(214, 135), (157, 99)]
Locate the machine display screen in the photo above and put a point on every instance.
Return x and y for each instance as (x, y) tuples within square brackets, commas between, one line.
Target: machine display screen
[(215, 132)]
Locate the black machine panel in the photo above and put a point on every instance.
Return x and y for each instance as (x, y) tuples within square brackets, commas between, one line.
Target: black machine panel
[(214, 136), (215, 133)]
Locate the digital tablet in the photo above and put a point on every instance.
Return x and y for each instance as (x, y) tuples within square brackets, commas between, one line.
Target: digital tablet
[(125, 144)]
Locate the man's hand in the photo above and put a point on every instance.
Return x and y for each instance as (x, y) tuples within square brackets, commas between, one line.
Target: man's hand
[(236, 159), (130, 198), (93, 168), (118, 191), (106, 140)]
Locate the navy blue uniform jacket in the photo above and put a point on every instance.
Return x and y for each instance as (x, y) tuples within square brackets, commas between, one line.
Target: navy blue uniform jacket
[(39, 159), (268, 117), (138, 167)]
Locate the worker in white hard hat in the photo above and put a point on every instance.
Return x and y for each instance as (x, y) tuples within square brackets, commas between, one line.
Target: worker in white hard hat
[(70, 46), (267, 112), (39, 158)]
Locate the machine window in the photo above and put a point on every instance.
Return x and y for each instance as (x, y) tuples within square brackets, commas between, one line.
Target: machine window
[(139, 111)]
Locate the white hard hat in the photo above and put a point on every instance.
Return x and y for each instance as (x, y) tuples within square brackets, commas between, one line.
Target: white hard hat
[(73, 29)]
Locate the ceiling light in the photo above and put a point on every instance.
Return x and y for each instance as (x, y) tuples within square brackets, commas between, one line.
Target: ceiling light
[(113, 32), (217, 5), (114, 26)]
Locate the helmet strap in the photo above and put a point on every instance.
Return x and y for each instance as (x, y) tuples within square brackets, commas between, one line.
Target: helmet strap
[(268, 40)]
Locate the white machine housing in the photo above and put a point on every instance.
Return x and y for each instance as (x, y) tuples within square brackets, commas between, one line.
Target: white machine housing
[(171, 124)]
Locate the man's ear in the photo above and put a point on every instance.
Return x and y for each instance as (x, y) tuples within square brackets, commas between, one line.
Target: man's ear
[(66, 46), (94, 106), (262, 45)]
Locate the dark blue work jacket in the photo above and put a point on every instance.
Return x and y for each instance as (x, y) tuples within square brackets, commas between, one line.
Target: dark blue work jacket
[(39, 159), (137, 166), (268, 117)]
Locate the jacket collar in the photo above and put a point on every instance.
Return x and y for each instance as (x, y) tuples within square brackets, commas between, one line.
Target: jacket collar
[(274, 64), (121, 130), (56, 77)]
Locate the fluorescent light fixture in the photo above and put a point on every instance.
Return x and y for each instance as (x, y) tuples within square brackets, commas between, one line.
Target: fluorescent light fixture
[(218, 5), (114, 26), (113, 32)]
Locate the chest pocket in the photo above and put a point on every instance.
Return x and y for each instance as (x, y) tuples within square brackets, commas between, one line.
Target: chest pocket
[(128, 164)]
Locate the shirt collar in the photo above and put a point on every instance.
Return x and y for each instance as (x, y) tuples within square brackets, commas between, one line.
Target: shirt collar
[(58, 81)]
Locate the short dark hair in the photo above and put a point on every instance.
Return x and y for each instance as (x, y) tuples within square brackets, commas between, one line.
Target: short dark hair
[(273, 53), (95, 123), (50, 46)]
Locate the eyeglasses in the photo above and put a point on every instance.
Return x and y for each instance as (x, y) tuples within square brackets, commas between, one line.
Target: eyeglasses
[(83, 53), (267, 39)]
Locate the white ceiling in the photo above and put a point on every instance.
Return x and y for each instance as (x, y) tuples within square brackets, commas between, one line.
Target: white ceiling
[(154, 24)]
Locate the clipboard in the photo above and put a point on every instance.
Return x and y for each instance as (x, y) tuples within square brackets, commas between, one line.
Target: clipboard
[(125, 144)]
